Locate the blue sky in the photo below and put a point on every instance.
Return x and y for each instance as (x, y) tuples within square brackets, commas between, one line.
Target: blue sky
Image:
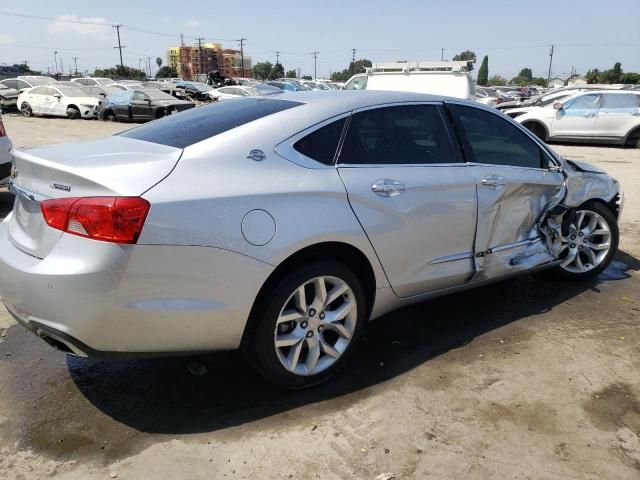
[(514, 34)]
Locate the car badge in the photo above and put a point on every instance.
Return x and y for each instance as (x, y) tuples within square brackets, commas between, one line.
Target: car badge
[(256, 155), (60, 186), (14, 171)]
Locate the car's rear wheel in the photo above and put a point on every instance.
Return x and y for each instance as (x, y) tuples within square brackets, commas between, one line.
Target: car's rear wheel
[(537, 129), (109, 116), (26, 110), (73, 113), (309, 325), (589, 242), (634, 139)]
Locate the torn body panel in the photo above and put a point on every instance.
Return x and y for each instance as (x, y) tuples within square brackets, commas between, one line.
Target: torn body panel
[(512, 203)]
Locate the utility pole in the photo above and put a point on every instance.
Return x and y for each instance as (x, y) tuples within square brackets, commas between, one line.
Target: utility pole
[(550, 60), (140, 64), (182, 40), (442, 54), (120, 46), (315, 65), (242, 40), (353, 57), (75, 62), (277, 58), (199, 68), (149, 65), (55, 59)]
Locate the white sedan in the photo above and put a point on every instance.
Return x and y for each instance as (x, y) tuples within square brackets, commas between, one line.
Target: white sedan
[(60, 101), (607, 116), (240, 91)]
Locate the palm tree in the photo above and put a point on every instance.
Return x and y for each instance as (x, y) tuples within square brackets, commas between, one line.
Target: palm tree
[(159, 62)]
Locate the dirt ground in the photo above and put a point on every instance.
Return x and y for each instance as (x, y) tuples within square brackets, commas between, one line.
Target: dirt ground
[(525, 379)]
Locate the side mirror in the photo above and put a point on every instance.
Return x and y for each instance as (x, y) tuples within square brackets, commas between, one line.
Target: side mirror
[(57, 95), (558, 106)]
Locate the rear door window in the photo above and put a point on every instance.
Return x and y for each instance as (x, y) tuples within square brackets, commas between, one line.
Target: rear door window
[(197, 124), (620, 103), (407, 134)]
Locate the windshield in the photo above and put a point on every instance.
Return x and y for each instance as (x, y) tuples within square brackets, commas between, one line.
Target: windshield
[(40, 81), (71, 92), (103, 81)]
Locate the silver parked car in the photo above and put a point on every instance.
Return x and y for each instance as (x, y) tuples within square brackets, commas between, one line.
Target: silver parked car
[(282, 224)]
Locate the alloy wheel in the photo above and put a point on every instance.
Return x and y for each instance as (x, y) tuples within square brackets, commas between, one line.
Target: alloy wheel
[(587, 243), (315, 326)]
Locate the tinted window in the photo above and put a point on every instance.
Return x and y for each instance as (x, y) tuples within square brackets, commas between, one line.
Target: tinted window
[(412, 134), (495, 141), (620, 101), (197, 124), (10, 84), (358, 83), (20, 84), (322, 144), (39, 91)]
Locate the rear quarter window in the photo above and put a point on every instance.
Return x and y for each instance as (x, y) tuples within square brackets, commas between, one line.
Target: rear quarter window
[(197, 124)]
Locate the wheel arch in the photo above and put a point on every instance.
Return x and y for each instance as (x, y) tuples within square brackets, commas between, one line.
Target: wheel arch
[(537, 123), (342, 252), (634, 131)]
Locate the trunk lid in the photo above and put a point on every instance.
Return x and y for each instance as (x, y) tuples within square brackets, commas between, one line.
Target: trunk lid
[(114, 166)]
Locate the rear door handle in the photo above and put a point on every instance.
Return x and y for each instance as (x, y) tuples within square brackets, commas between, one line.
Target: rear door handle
[(388, 188), (493, 181)]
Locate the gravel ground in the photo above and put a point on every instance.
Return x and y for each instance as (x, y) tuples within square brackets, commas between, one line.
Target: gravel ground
[(526, 379)]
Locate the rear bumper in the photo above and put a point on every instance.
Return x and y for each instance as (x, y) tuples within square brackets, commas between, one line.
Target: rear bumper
[(138, 300)]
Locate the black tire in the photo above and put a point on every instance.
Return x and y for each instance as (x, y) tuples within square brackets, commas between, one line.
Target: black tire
[(537, 129), (109, 116), (73, 113), (612, 222), (260, 346), (26, 110), (634, 139)]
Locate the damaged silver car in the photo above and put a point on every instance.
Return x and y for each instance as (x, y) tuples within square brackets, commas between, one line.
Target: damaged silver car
[(281, 225)]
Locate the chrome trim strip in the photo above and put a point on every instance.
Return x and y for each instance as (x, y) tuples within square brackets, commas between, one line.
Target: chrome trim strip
[(24, 193), (521, 243), (452, 258)]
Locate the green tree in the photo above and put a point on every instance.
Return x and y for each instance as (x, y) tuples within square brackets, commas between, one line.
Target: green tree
[(483, 73), (262, 70), (276, 72), (291, 74), (616, 72), (466, 55), (520, 81), (166, 72), (539, 81), (307, 77), (359, 66), (526, 73), (159, 62), (593, 76), (497, 80), (630, 77), (120, 72)]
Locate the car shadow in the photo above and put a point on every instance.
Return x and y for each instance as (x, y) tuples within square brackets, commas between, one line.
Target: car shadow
[(165, 396)]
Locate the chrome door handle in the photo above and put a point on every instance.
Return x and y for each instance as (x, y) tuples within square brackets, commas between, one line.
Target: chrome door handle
[(589, 115), (388, 188), (493, 181)]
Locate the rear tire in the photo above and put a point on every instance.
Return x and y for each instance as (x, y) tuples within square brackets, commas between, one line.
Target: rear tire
[(591, 242), (109, 116), (537, 129), (26, 110), (300, 339), (73, 113), (634, 139)]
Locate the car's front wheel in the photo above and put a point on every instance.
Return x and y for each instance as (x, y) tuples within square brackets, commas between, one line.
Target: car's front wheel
[(309, 324), (589, 242)]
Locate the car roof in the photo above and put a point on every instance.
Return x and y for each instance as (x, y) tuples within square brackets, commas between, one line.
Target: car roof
[(354, 99)]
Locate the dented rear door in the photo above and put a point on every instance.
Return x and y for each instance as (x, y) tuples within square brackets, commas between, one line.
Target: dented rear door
[(516, 188)]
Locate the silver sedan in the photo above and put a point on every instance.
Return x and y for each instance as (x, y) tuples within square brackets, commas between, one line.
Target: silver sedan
[(281, 225)]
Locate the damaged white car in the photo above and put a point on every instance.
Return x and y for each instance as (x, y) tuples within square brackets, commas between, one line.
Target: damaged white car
[(282, 224)]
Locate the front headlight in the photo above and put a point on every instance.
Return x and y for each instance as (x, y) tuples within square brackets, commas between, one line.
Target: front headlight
[(87, 105)]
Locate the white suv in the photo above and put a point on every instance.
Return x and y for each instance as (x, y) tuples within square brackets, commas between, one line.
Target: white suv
[(595, 117)]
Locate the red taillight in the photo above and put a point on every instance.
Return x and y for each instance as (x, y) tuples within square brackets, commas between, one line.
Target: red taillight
[(110, 219), (3, 132)]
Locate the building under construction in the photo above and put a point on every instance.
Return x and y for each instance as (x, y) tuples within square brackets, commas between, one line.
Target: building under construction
[(202, 58)]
